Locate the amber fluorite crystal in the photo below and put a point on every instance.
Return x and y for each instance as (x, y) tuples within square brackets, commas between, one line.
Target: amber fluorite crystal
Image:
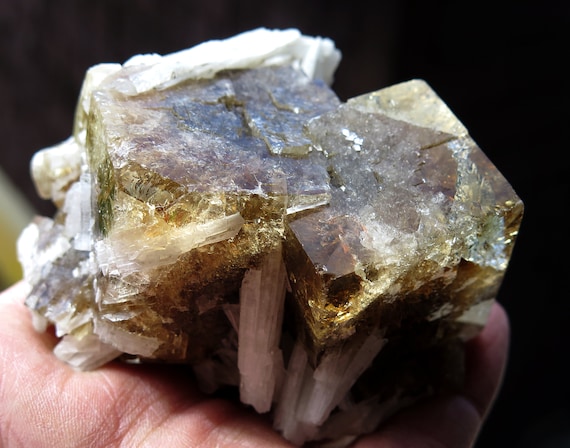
[(221, 207)]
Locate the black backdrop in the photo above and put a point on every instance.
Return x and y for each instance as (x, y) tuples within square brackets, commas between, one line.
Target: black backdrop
[(499, 65)]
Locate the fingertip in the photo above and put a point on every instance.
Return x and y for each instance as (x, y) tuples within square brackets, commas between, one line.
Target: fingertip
[(443, 422), (14, 294), (454, 421)]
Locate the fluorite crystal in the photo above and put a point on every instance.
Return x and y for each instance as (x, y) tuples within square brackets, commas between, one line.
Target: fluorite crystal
[(221, 207)]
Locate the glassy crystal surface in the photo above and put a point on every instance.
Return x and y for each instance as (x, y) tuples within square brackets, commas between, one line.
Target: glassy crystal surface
[(221, 207)]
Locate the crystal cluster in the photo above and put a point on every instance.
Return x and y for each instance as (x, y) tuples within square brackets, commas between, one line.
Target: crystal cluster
[(221, 207)]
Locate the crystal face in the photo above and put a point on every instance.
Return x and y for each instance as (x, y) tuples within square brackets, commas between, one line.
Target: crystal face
[(221, 207)]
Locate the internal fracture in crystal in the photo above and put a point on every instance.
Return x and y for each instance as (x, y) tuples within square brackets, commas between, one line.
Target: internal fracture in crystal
[(221, 207)]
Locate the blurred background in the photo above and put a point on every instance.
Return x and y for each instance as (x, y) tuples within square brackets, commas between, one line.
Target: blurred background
[(500, 66)]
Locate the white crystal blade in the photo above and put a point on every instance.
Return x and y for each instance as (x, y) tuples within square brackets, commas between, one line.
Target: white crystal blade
[(261, 314), (86, 353)]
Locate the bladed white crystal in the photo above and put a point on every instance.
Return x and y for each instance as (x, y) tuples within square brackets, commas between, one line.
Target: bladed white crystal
[(316, 56), (260, 360)]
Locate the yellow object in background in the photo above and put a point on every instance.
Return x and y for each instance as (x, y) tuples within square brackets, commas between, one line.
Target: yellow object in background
[(15, 214)]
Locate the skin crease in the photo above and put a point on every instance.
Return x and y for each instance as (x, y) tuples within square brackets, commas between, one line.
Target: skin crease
[(44, 403)]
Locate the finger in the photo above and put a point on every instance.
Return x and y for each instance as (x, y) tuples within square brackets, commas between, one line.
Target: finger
[(450, 422), (486, 358), (454, 421)]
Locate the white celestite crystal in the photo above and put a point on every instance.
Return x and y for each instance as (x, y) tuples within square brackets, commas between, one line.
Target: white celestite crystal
[(54, 169), (79, 219), (93, 77), (124, 341), (85, 353), (309, 395), (316, 56), (260, 360), (140, 249)]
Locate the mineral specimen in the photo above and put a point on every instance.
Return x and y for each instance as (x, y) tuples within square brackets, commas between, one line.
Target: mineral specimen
[(221, 207)]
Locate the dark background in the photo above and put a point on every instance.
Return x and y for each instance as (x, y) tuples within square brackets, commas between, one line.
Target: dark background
[(500, 66)]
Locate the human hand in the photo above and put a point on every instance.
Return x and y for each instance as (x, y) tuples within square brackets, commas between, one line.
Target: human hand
[(45, 403)]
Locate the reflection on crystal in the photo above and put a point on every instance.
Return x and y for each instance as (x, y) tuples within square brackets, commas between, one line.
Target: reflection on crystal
[(221, 207)]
